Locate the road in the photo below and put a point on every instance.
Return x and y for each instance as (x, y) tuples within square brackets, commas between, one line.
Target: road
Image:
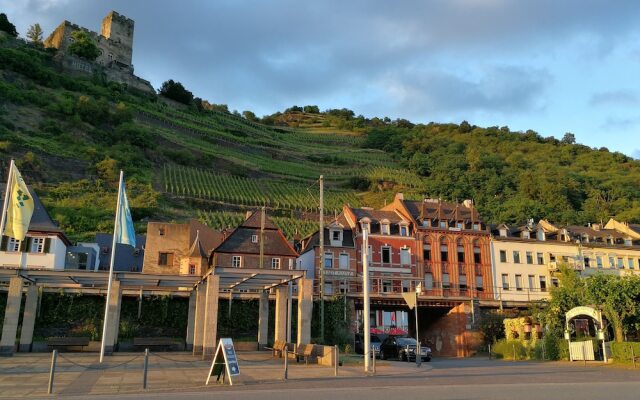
[(455, 379)]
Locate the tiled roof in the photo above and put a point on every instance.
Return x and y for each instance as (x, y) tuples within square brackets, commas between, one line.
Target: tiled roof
[(40, 221), (377, 215), (436, 210), (254, 221), (313, 240), (196, 248)]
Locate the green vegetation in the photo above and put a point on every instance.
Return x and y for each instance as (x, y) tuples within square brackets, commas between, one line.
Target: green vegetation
[(83, 46), (7, 26), (34, 34), (175, 91), (288, 225)]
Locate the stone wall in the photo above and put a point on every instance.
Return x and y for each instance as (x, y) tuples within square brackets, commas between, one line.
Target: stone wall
[(452, 335)]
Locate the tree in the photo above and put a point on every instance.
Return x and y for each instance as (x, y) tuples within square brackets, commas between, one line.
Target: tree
[(7, 26), (617, 297), (568, 138), (249, 116), (83, 46), (312, 109), (35, 34), (175, 91)]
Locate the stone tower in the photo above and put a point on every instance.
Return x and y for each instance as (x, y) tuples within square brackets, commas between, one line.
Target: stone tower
[(119, 30)]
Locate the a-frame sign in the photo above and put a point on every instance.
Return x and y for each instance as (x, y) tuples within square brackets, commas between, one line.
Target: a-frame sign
[(224, 362)]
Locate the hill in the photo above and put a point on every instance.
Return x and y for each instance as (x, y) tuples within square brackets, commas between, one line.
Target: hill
[(70, 134)]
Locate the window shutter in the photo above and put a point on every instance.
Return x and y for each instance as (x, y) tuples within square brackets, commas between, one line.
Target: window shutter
[(24, 245), (47, 245), (3, 245)]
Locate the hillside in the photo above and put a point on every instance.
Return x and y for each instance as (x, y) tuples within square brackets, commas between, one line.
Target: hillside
[(71, 134)]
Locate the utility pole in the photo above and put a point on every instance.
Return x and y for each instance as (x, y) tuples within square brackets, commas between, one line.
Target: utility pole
[(366, 329), (262, 217), (321, 237)]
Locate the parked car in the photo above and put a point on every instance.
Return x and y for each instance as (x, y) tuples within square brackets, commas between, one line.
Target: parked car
[(403, 348), (375, 343)]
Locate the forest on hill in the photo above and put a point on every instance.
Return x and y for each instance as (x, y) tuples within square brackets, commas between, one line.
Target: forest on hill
[(71, 133)]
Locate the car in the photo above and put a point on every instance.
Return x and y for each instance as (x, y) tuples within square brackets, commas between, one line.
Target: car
[(403, 348), (375, 342)]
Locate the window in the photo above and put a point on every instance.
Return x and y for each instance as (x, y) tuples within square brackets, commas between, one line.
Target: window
[(386, 255), (446, 283), (385, 229), (13, 245), (476, 227), (532, 282), (612, 262), (335, 236), (543, 283), (370, 254), (477, 256), (165, 259), (404, 231), (554, 282), (443, 224), (366, 227), (518, 282), (426, 252), (460, 249), (37, 245), (630, 262), (587, 262), (291, 263), (254, 238), (516, 257), (463, 282), (428, 281), (599, 261), (192, 269), (161, 231), (236, 261), (620, 262), (387, 286), (444, 252), (328, 260), (540, 258), (503, 256), (405, 256), (344, 261), (505, 282), (479, 283), (529, 257), (275, 263)]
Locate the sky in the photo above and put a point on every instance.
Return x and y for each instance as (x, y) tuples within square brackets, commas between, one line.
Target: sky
[(547, 65)]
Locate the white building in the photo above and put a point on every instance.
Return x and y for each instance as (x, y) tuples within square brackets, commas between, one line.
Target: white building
[(44, 247)]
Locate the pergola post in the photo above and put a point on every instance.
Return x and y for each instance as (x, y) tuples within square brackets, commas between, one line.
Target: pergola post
[(11, 317), (210, 317), (198, 326), (191, 319), (281, 313), (113, 324), (263, 320), (29, 319), (305, 310)]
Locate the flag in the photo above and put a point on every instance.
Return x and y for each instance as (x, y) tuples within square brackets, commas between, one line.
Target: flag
[(124, 232), (20, 207)]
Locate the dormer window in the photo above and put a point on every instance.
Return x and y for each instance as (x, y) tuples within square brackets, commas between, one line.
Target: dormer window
[(384, 228), (460, 225), (476, 227), (404, 230), (526, 235), (254, 238), (366, 226), (426, 223), (541, 235), (335, 236), (443, 224), (503, 232)]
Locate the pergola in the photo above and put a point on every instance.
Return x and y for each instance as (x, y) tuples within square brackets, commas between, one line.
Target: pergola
[(203, 293)]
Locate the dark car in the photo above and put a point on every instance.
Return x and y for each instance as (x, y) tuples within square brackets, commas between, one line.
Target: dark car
[(402, 348), (375, 343)]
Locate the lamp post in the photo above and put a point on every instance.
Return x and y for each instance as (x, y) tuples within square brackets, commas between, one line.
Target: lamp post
[(366, 329)]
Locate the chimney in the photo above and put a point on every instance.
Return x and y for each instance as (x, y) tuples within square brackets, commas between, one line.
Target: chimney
[(399, 196)]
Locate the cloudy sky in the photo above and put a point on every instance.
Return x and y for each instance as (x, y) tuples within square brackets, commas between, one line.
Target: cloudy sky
[(547, 65)]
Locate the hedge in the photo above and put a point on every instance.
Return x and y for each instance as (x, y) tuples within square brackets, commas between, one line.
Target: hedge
[(622, 351), (554, 349)]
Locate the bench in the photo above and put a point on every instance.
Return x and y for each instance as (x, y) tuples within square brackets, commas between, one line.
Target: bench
[(305, 352), (67, 342), (163, 342), (278, 348)]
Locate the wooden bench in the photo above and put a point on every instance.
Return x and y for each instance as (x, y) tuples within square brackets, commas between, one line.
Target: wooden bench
[(278, 348), (67, 342), (305, 352), (163, 342)]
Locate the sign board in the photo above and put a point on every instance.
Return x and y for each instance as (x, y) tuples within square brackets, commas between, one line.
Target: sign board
[(411, 298), (224, 362), (338, 272)]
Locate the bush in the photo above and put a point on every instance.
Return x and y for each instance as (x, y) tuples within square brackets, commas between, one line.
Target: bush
[(621, 352), (176, 91), (555, 348)]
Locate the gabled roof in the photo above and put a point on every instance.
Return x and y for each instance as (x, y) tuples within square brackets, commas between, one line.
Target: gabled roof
[(254, 221), (313, 240), (435, 209), (41, 220)]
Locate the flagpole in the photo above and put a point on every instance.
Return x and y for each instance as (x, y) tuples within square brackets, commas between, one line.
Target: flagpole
[(5, 204), (113, 252)]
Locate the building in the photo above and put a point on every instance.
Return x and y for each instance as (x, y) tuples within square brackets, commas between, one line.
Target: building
[(340, 257), (115, 42), (168, 245), (453, 248), (256, 243), (44, 247), (526, 258)]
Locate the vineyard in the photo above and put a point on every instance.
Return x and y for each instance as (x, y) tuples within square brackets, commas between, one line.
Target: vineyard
[(289, 226), (198, 183)]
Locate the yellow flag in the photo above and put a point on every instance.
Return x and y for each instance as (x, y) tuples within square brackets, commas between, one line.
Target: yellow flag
[(20, 207)]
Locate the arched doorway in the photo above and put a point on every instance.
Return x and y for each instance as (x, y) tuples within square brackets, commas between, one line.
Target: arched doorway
[(585, 333)]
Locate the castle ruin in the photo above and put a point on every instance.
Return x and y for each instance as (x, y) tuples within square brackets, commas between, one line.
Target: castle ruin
[(115, 42)]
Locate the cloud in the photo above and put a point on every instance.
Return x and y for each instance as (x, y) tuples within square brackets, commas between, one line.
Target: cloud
[(615, 97)]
